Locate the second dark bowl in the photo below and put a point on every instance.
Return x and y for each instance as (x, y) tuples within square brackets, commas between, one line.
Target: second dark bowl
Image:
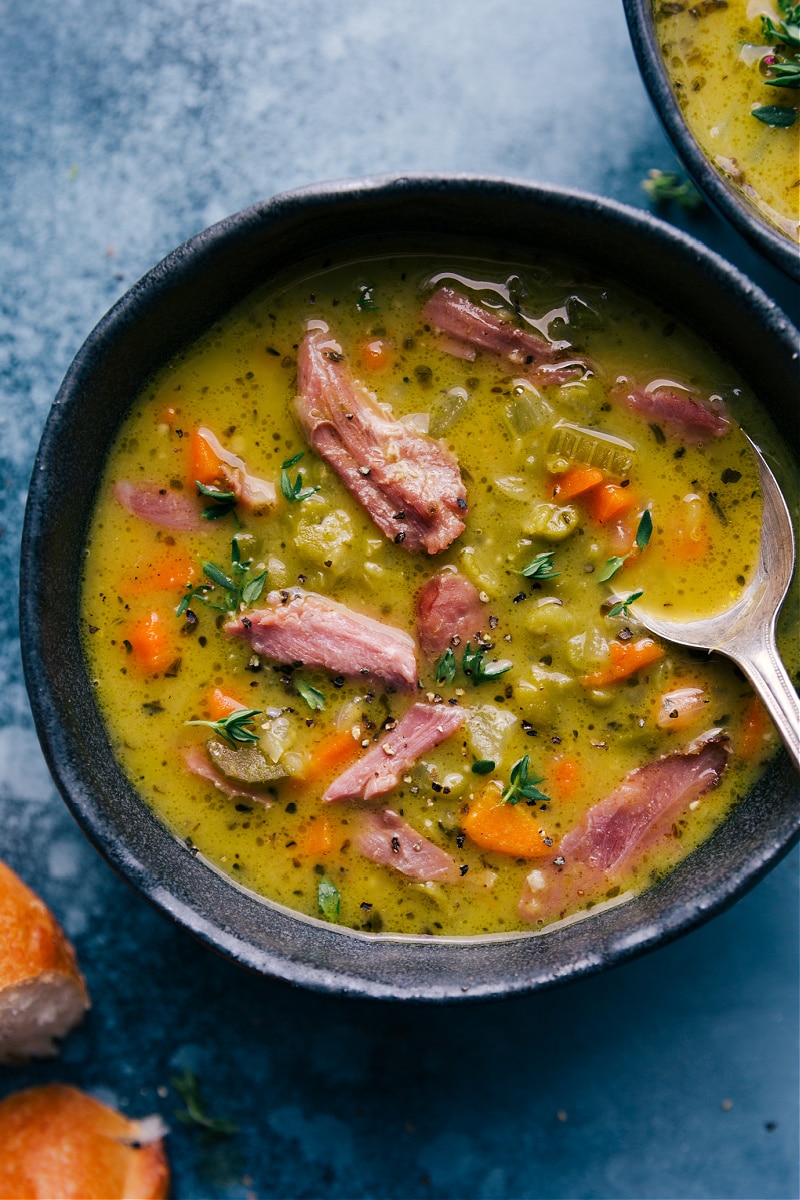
[(725, 197)]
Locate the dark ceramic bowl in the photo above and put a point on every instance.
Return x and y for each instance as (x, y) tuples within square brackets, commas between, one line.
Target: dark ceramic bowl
[(725, 197), (169, 308)]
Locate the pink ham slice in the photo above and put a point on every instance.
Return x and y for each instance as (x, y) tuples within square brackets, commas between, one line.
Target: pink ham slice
[(196, 761), (381, 768), (448, 606), (633, 817), (161, 506), (471, 327), (625, 824), (408, 482), (387, 839), (693, 421), (314, 631)]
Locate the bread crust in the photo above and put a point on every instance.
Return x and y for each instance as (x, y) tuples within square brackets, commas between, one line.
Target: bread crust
[(42, 991), (58, 1143)]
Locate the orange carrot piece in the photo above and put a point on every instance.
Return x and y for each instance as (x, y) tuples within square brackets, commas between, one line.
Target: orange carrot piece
[(167, 571), (317, 840), (576, 481), (204, 465), (151, 646), (625, 658), (506, 828), (607, 501), (686, 536), (376, 355), (756, 729), (566, 777), (220, 705), (332, 752)]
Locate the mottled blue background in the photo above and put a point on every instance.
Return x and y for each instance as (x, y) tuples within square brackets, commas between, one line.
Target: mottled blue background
[(125, 128)]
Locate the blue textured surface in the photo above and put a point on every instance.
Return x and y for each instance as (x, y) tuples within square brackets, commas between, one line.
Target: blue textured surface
[(127, 128)]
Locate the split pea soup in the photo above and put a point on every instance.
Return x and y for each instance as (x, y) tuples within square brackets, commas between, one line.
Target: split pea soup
[(360, 586)]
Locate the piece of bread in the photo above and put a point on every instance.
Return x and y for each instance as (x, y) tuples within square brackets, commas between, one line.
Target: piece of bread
[(42, 992), (57, 1143)]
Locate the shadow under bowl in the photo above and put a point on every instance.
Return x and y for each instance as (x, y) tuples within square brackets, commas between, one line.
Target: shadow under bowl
[(729, 201), (167, 310)]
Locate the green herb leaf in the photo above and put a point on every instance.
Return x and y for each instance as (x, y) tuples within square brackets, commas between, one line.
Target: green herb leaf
[(188, 1088), (237, 727), (446, 667), (483, 766), (365, 301), (541, 567), (621, 609), (610, 569), (218, 576), (522, 786), (313, 698), (214, 493), (253, 589), (294, 492), (645, 528), (328, 898), (479, 671), (775, 115)]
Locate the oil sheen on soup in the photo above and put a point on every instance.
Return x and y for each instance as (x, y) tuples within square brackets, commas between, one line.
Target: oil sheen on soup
[(735, 67), (360, 591)]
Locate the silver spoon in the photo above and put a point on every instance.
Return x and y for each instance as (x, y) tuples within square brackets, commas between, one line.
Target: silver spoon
[(746, 632)]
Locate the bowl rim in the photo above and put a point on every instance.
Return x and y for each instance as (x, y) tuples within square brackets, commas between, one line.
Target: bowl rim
[(724, 196), (356, 977)]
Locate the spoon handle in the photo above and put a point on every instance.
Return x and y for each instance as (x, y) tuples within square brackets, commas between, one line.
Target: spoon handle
[(762, 665)]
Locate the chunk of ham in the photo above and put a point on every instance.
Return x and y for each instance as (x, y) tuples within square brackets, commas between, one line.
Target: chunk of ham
[(693, 421), (410, 485), (197, 763), (381, 768), (468, 327), (226, 468), (625, 825), (314, 631), (448, 606), (162, 506), (387, 839)]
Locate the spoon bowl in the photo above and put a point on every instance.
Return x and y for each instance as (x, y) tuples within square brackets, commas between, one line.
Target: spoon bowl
[(745, 633)]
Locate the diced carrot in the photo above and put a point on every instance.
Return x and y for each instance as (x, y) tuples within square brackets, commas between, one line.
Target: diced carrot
[(757, 729), (332, 752), (566, 777), (607, 501), (317, 839), (204, 465), (625, 658), (506, 828), (167, 571), (376, 355), (576, 481), (151, 646), (220, 705)]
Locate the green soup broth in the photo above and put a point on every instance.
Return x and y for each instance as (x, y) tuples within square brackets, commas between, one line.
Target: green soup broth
[(581, 739)]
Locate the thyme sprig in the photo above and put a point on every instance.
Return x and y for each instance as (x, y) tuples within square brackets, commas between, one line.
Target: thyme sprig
[(782, 66), (223, 502), (663, 186), (328, 898), (521, 786), (294, 492), (312, 696), (541, 567), (473, 665), (236, 728), (233, 589), (187, 1086), (620, 609), (643, 532)]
